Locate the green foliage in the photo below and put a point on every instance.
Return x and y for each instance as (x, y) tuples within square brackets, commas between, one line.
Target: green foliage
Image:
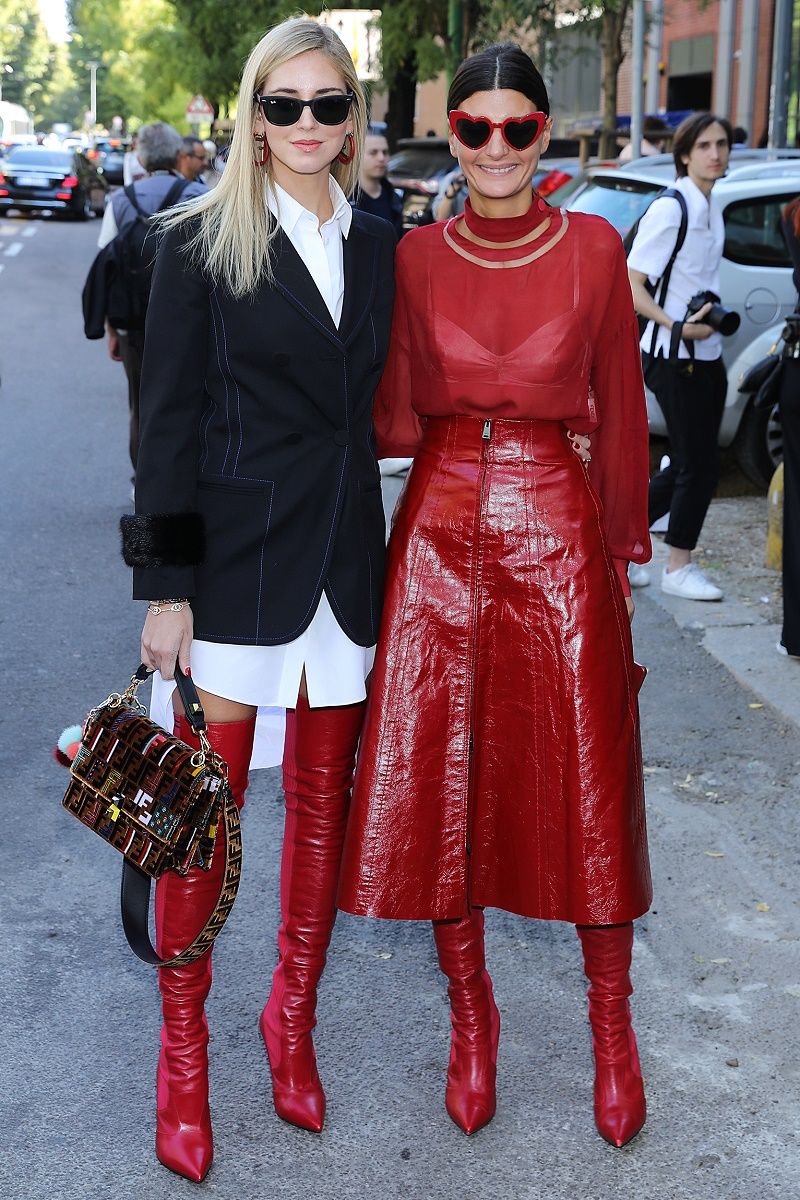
[(24, 45)]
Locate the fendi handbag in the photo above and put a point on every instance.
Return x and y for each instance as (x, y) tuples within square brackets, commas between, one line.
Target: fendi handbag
[(160, 803)]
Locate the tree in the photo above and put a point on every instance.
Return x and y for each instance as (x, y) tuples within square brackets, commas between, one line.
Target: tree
[(25, 47)]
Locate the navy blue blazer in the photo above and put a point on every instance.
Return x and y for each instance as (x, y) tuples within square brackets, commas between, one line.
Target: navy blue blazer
[(257, 484)]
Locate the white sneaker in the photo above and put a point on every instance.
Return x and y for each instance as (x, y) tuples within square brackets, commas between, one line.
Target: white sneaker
[(638, 576), (689, 583)]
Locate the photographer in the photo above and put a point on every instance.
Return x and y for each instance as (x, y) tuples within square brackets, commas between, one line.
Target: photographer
[(682, 345)]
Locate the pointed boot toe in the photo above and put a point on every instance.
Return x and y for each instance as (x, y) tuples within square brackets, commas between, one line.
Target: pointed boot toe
[(187, 1151), (297, 1092), (620, 1109), (469, 1110)]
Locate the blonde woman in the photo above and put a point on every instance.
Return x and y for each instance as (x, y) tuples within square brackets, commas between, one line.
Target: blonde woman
[(258, 537)]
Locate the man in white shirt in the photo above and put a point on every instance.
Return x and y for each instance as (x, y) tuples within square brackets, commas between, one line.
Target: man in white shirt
[(682, 356)]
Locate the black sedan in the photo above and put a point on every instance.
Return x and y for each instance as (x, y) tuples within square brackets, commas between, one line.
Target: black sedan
[(108, 155), (34, 177)]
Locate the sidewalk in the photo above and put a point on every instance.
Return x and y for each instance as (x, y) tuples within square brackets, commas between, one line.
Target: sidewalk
[(742, 630)]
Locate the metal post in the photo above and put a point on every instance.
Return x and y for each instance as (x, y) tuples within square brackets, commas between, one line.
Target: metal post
[(6, 69), (748, 61), (723, 73), (654, 51), (93, 89), (455, 33), (637, 72), (781, 66)]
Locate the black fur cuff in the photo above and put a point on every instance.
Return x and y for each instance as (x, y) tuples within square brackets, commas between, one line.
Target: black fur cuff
[(163, 540)]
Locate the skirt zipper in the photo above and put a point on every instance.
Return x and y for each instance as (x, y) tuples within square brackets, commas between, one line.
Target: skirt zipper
[(486, 436)]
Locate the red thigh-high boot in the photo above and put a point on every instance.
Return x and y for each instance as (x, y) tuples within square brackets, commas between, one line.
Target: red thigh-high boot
[(619, 1103), (470, 1095), (183, 905), (318, 762)]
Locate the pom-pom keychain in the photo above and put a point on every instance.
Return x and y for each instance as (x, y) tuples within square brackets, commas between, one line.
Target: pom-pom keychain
[(67, 745)]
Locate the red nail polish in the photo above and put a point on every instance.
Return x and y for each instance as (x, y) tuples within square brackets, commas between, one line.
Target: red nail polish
[(188, 671)]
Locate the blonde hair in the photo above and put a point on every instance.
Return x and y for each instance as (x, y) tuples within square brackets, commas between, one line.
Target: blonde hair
[(234, 241)]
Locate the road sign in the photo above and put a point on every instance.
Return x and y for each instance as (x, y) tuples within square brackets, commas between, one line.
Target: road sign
[(198, 109)]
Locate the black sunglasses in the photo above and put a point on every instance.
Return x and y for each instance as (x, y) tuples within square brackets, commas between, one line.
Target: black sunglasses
[(286, 110)]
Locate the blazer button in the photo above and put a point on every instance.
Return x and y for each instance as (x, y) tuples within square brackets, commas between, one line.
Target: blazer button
[(342, 437)]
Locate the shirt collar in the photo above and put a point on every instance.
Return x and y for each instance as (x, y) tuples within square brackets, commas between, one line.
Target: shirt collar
[(289, 211)]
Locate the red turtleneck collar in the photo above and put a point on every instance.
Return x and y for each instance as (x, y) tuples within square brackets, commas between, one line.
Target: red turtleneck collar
[(506, 229)]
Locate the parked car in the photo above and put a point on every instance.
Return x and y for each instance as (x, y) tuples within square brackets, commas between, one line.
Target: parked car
[(34, 177), (108, 155), (755, 273), (416, 170)]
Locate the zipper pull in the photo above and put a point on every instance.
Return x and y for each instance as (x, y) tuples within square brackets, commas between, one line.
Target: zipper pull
[(487, 430)]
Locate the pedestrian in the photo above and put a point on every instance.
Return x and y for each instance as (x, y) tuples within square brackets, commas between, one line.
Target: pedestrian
[(157, 149), (132, 168), (651, 142), (259, 519), (790, 425), (500, 762), (375, 193), (192, 159), (449, 201), (682, 353)]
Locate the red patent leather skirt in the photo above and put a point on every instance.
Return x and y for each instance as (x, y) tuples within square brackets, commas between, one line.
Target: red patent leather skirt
[(500, 763)]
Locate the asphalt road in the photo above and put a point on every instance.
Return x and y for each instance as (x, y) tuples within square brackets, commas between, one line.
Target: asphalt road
[(717, 963)]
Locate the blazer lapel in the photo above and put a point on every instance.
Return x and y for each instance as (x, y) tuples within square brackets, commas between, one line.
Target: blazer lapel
[(293, 280), (360, 254)]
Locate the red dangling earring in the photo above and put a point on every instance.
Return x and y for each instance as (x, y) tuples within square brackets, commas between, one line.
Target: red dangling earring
[(263, 157), (347, 153)]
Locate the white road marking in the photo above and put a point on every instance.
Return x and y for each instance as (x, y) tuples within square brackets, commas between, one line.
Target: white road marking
[(31, 231), (1, 267), (13, 249), (8, 229)]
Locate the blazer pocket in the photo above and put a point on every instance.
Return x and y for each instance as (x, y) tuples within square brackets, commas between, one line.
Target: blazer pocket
[(245, 487)]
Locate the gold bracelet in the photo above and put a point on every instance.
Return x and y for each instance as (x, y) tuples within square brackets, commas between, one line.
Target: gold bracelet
[(158, 606)]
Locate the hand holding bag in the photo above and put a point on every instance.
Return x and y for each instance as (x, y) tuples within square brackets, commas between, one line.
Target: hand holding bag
[(160, 803)]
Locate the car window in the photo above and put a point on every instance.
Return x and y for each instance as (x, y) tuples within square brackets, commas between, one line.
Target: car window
[(39, 158), (753, 232), (620, 201), (420, 164)]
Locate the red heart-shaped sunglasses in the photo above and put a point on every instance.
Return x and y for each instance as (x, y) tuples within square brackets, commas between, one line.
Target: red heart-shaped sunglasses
[(518, 132)]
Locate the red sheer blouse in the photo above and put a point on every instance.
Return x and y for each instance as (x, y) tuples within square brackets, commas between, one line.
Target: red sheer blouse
[(539, 325)]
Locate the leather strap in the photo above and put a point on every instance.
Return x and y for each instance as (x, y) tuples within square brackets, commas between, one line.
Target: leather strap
[(671, 194), (135, 890), (135, 899)]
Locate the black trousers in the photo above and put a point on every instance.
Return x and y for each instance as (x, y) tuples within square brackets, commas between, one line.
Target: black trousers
[(692, 401), (790, 423), (131, 349)]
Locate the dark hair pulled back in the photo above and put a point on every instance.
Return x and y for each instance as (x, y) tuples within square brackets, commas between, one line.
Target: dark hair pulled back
[(503, 65)]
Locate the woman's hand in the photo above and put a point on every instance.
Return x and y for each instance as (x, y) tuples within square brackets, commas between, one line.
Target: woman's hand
[(581, 444), (631, 607), (167, 636)]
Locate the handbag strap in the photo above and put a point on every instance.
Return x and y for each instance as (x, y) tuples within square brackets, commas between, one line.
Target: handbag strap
[(135, 899)]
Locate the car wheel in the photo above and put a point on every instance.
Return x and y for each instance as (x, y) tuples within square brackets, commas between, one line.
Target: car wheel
[(759, 444), (83, 210)]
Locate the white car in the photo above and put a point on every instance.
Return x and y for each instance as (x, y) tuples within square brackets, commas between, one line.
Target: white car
[(755, 273)]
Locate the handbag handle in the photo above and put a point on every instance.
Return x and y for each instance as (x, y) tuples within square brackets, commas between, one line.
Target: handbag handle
[(187, 692)]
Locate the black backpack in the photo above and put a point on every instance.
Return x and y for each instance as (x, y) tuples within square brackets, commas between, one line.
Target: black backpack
[(652, 288), (131, 256)]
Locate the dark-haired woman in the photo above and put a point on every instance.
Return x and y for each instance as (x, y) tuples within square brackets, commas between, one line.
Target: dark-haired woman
[(500, 762), (259, 529), (790, 424)]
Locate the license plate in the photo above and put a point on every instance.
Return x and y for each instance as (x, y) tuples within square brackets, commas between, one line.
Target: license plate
[(30, 181)]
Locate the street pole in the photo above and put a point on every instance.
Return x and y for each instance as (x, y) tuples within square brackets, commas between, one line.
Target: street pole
[(781, 66), (654, 51), (6, 69), (723, 75), (748, 62), (637, 74), (455, 34), (93, 89)]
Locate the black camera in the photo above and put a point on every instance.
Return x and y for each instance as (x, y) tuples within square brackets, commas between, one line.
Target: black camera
[(721, 319)]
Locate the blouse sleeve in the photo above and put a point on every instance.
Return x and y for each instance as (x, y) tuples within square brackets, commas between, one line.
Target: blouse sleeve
[(398, 429), (620, 464)]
